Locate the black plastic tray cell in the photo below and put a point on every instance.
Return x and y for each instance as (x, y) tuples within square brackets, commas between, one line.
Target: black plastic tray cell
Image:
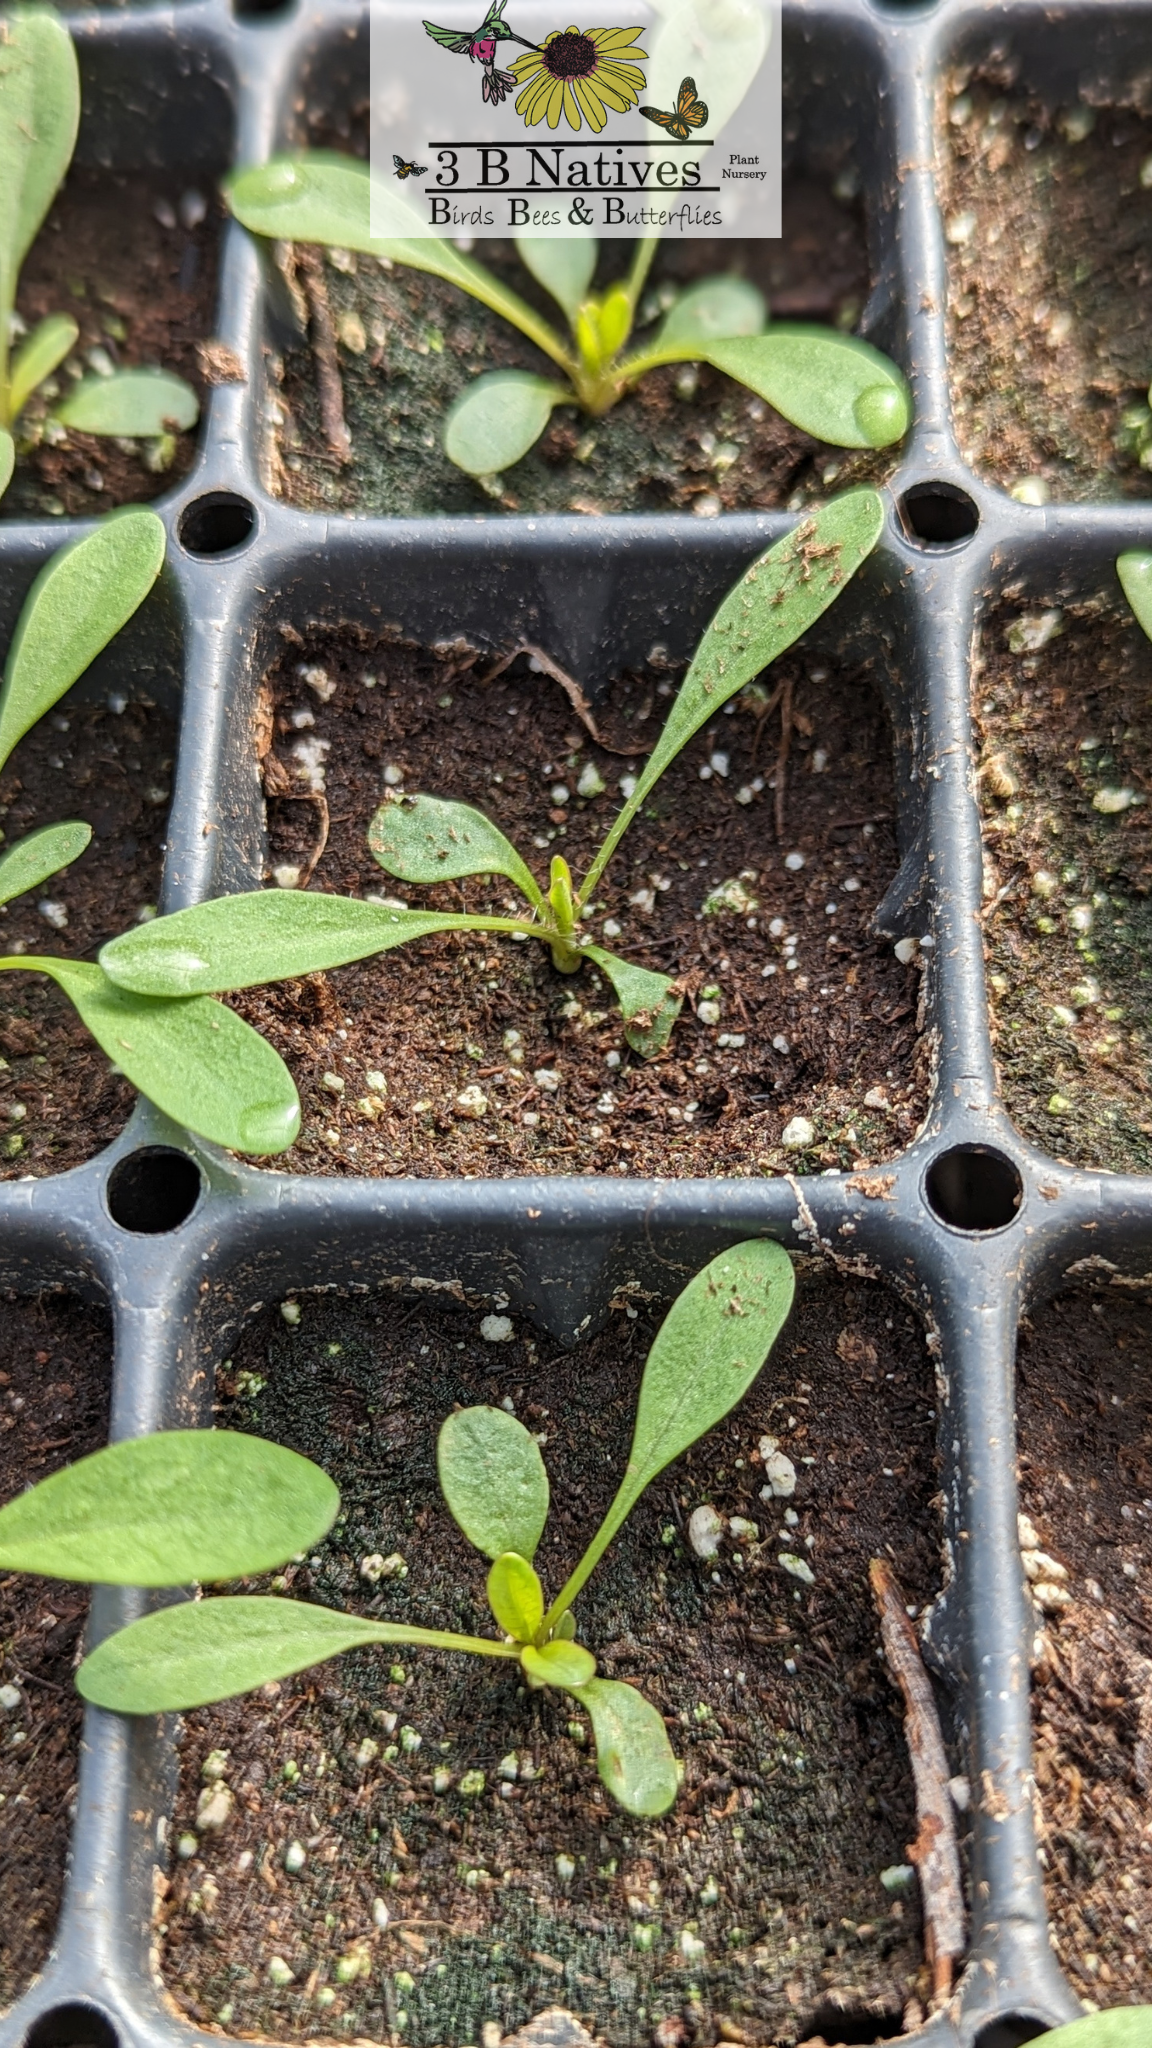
[(976, 1223)]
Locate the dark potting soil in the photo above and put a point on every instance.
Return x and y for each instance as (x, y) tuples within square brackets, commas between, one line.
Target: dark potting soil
[(757, 1903), (815, 1017), (142, 292), (60, 1101), (685, 439), (1049, 237), (1085, 1411), (1068, 914), (55, 1382)]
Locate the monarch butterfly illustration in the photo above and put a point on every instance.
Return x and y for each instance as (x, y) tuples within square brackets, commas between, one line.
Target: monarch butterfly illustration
[(404, 170), (690, 112)]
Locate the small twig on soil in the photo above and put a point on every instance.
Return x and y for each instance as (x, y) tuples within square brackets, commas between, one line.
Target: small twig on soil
[(934, 1851), (782, 756), (762, 721), (329, 389), (571, 689), (33, 1678)]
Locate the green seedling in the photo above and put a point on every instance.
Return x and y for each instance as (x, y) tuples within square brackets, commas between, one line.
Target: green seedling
[(241, 941), (39, 118), (1126, 2026), (196, 1059), (839, 389), (707, 1352)]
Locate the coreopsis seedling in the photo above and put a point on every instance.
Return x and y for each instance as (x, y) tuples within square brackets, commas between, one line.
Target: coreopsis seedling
[(241, 941), (839, 389), (707, 1352), (39, 117)]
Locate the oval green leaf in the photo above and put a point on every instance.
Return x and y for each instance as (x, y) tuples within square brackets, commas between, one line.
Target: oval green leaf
[(37, 357), (498, 419), (194, 1058), (39, 117), (41, 854), (168, 1509), (633, 1753), (817, 379), (78, 603), (515, 1596), (429, 839), (714, 310), (137, 403), (559, 1663), (493, 1479), (1135, 573), (649, 1003), (565, 266), (1126, 2026), (7, 459)]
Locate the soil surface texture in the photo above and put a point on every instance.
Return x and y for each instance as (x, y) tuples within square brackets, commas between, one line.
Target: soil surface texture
[(1085, 1414), (55, 1384), (758, 1900), (794, 1008), (1065, 778), (687, 439), (133, 258), (1049, 237), (110, 765)]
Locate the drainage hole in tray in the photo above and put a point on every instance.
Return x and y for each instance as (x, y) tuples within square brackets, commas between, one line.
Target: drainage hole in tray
[(938, 515), (243, 8), (974, 1188), (216, 524), (847, 2028), (1010, 2032), (72, 2026), (153, 1191)]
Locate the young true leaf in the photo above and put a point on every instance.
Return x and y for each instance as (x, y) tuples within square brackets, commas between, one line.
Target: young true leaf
[(206, 1650), (1135, 573), (558, 1663), (710, 311), (79, 601), (427, 839), (39, 117), (1126, 2026), (515, 1596), (493, 1479), (564, 266), (649, 1003), (41, 854), (241, 941), (45, 348), (132, 402), (196, 1060), (498, 418), (7, 459), (633, 1754), (164, 1510), (839, 389)]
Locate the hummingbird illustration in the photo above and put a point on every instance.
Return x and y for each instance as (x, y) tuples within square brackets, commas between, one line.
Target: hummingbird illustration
[(479, 45)]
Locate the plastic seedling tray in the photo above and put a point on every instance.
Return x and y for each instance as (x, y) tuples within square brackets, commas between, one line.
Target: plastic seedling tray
[(970, 1224)]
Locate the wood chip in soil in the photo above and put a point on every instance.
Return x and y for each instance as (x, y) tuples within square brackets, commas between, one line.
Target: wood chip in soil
[(1065, 728), (797, 1792), (142, 292), (1049, 237), (687, 438), (1085, 1414), (55, 1385), (60, 1102), (383, 1050)]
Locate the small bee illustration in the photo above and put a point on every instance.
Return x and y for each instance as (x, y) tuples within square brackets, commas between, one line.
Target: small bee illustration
[(404, 170), (690, 112)]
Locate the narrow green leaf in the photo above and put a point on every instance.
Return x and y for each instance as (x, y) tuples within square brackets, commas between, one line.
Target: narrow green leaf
[(239, 942), (649, 1003), (165, 1510), (7, 459), (194, 1058), (715, 309), (137, 403), (77, 604), (515, 1596), (614, 320), (41, 854), (428, 839), (565, 266), (1135, 573), (633, 1753), (493, 1479), (559, 1663), (37, 357), (204, 1650), (39, 117), (1126, 2026), (831, 385), (498, 418)]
